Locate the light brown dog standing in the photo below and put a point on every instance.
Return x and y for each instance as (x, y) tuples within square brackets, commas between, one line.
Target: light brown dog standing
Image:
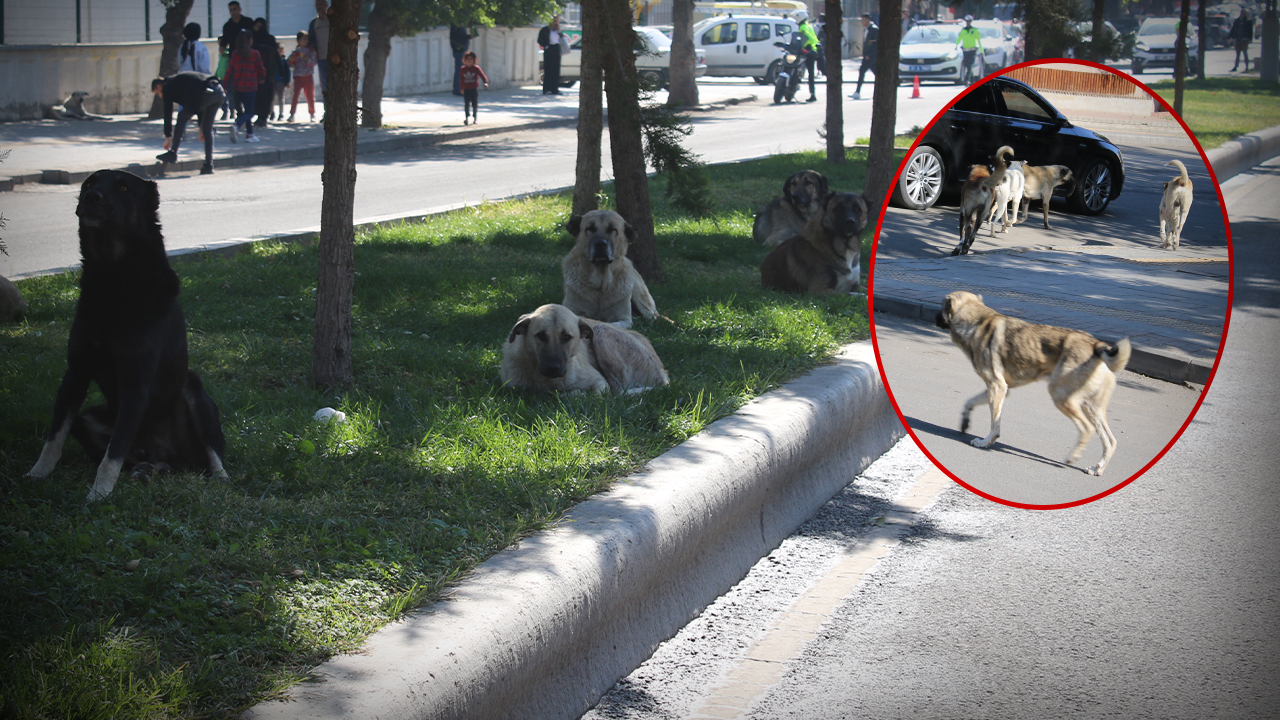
[(1040, 182), (553, 349), (599, 280), (1008, 352), (1174, 207)]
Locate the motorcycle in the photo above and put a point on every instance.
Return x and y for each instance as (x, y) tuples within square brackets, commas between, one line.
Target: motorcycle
[(790, 69)]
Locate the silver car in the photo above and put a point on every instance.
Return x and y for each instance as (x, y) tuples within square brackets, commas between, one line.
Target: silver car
[(653, 59)]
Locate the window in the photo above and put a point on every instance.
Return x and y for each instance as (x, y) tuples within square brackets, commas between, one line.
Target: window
[(721, 34), (1021, 105), (782, 30), (757, 32), (978, 101)]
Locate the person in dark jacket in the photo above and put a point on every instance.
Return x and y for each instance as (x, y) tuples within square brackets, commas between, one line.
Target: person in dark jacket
[(267, 46), (549, 41), (1242, 34), (200, 95), (869, 45), (231, 28)]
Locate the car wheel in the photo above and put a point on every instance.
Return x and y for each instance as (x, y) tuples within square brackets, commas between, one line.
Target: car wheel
[(651, 78), (771, 76), (920, 183), (1093, 188)]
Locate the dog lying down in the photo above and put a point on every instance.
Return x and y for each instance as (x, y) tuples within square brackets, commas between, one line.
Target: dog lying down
[(71, 109), (553, 349)]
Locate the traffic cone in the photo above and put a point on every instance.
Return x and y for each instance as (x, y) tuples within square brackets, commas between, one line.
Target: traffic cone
[(915, 87)]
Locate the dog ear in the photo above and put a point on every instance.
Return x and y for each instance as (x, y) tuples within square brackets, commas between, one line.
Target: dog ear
[(823, 184), (787, 185), (584, 330), (629, 231), (574, 225), (521, 327)]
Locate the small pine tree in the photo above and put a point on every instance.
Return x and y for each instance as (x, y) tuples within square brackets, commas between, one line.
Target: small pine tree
[(687, 186)]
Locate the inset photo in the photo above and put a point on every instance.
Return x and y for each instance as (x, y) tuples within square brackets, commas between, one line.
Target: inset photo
[(1051, 284)]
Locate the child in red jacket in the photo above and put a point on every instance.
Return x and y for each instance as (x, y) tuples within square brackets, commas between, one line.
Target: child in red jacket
[(471, 76)]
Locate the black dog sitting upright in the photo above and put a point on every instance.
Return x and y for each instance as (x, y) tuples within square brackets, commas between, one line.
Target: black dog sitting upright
[(129, 337)]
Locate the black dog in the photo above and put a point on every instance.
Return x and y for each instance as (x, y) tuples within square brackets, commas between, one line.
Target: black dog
[(129, 337)]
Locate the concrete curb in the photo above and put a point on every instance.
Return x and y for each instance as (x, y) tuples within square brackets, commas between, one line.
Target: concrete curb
[(1244, 152), (1151, 362), (544, 628)]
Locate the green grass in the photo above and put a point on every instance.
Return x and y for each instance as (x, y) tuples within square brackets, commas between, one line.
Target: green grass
[(1221, 109), (183, 596)]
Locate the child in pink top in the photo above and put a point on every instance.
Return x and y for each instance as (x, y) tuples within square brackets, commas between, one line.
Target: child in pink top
[(470, 78), (303, 63)]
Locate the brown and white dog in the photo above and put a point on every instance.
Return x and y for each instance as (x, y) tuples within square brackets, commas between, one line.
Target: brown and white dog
[(825, 258), (1174, 207), (599, 280), (553, 349), (976, 197)]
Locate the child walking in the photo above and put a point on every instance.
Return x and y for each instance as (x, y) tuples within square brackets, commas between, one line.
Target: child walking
[(470, 78), (303, 62), (245, 72)]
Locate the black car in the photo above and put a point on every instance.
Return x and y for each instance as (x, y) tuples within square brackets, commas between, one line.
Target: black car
[(1004, 111)]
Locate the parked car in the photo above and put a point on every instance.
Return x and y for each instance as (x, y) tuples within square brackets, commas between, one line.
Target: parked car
[(653, 59), (1115, 43), (742, 45), (998, 48), (1219, 27), (1004, 111), (1157, 45), (928, 51)]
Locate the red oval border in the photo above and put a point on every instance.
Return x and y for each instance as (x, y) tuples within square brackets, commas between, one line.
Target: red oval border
[(1226, 324)]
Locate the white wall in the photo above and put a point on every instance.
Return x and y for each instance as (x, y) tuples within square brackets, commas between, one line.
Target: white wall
[(118, 76), (48, 22)]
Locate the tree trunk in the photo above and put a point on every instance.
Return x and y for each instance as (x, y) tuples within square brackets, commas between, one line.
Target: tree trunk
[(331, 344), (834, 30), (383, 25), (1030, 30), (684, 59), (1095, 52), (882, 162), (586, 185), (626, 138), (1180, 58), (175, 18)]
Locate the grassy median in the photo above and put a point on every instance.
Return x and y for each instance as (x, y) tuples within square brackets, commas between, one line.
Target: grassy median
[(183, 596), (1221, 109)]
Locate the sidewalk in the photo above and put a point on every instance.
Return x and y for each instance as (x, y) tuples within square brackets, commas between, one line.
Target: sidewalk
[(1171, 304), (67, 151)]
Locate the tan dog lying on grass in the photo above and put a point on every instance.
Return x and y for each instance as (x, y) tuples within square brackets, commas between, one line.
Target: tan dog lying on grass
[(553, 349), (1174, 207), (783, 218), (599, 280)]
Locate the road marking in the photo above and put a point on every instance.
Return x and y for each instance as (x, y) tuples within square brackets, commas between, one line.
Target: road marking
[(763, 665)]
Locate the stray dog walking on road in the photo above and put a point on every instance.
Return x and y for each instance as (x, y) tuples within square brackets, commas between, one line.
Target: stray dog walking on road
[(1040, 182), (553, 349), (1008, 352), (130, 338), (783, 218), (599, 280), (976, 197), (1010, 190), (1174, 207)]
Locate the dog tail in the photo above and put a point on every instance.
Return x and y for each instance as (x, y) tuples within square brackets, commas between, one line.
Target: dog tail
[(1002, 165), (1115, 356), (1181, 168)]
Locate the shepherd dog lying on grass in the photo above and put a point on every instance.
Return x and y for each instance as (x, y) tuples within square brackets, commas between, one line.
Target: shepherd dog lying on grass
[(553, 349), (784, 217), (129, 336), (825, 257)]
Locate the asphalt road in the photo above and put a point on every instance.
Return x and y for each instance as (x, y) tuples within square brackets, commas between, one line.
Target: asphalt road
[(258, 201), (1157, 601), (1131, 220)]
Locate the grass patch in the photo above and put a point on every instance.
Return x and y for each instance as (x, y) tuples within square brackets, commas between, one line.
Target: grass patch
[(187, 597), (1221, 109)]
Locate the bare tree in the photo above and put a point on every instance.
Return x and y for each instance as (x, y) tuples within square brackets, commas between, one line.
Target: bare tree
[(834, 42), (331, 364), (586, 185), (684, 86), (1097, 42), (1204, 40), (882, 162), (626, 136), (1180, 57)]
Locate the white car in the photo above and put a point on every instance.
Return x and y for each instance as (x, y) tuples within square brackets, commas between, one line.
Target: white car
[(998, 48), (1157, 45), (653, 59), (742, 45), (928, 51)]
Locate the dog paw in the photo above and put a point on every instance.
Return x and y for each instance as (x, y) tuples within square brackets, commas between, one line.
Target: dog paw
[(1096, 470), (982, 442)]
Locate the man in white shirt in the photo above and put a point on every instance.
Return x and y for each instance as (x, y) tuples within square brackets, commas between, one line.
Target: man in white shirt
[(549, 41)]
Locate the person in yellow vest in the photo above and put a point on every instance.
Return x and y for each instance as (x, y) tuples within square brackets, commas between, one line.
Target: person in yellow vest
[(810, 50), (970, 41)]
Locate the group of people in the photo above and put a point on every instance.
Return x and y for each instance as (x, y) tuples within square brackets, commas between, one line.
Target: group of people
[(252, 75)]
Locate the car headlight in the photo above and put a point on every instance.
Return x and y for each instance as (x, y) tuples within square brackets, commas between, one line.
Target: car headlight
[(1141, 46), (952, 54)]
